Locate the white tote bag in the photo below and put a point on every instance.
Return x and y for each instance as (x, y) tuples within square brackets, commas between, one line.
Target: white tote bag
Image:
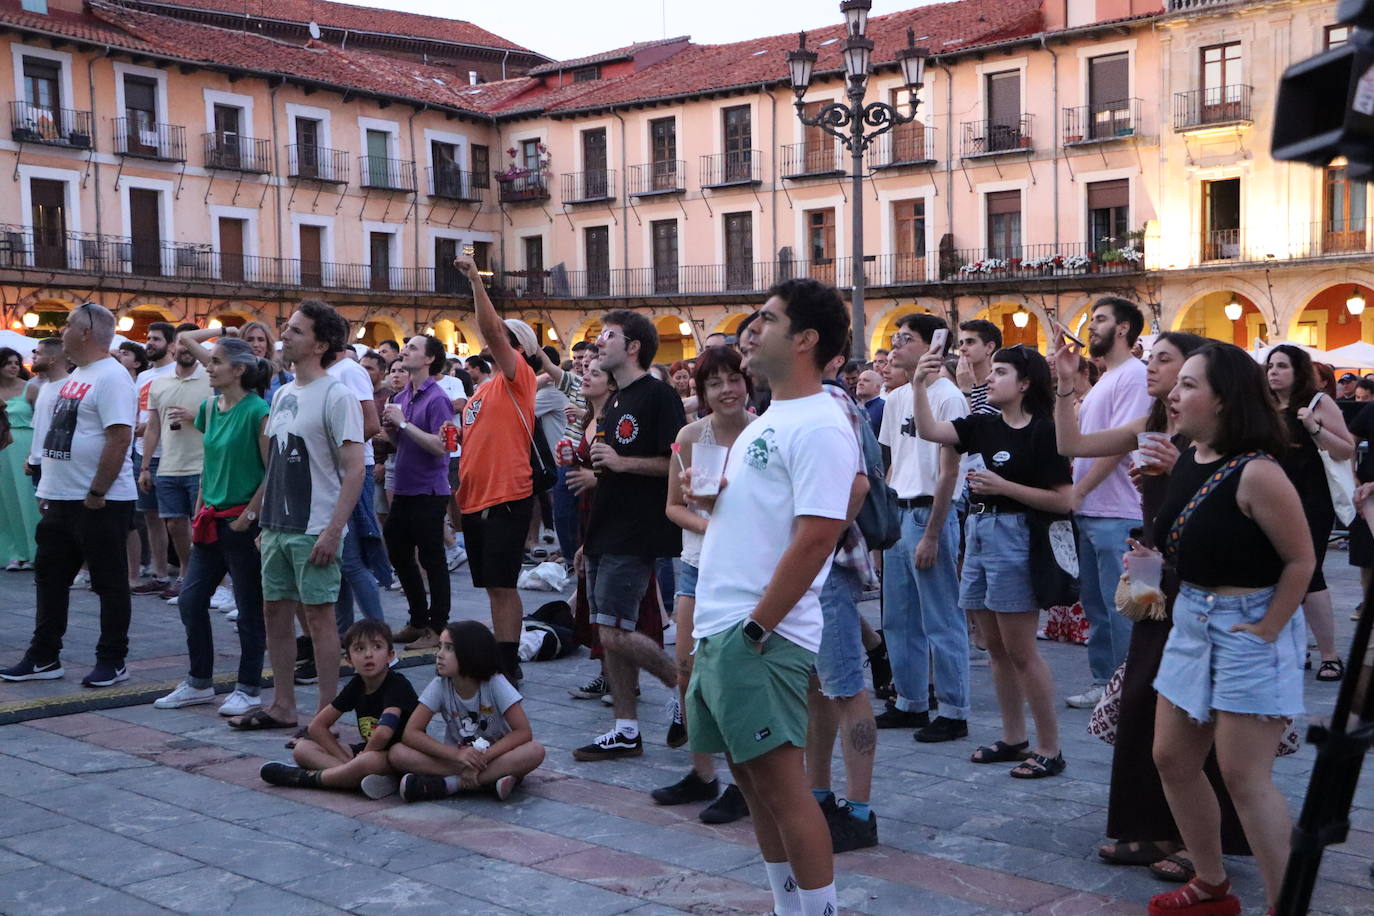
[(1340, 479)]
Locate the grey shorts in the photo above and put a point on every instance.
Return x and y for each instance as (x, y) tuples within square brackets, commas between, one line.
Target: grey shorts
[(616, 583)]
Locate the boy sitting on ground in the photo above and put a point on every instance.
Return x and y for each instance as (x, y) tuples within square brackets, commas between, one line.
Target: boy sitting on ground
[(381, 698)]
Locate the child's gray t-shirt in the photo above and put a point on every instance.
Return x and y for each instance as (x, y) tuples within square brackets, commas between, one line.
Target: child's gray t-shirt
[(468, 718)]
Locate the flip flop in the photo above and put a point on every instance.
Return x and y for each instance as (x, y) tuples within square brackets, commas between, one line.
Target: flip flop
[(257, 720), (1182, 870), (1135, 852)]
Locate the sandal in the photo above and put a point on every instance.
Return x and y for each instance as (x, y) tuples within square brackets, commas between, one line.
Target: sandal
[(1136, 852), (1332, 669), (257, 720), (1038, 766), (1001, 752), (1189, 900), (1176, 867)]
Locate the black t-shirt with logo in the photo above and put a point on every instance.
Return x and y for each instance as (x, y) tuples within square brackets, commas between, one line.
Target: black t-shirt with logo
[(1027, 456), (642, 421), (394, 690)]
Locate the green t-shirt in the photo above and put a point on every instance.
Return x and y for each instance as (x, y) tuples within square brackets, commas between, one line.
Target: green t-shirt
[(233, 460)]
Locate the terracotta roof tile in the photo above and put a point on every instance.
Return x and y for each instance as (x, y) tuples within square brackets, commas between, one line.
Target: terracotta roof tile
[(605, 57), (72, 25)]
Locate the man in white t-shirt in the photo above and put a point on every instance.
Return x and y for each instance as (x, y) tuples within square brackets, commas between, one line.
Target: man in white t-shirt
[(89, 490), (922, 620), (49, 366), (158, 346), (765, 557)]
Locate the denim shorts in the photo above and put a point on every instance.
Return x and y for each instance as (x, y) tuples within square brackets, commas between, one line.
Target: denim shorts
[(840, 661), (616, 583), (147, 502), (996, 574), (686, 581), (1207, 667), (176, 496)]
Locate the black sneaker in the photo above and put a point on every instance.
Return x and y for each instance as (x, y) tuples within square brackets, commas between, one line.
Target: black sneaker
[(105, 674), (594, 689), (847, 832), (289, 775), (422, 787), (306, 673), (691, 788), (609, 746), (29, 670), (881, 668), (942, 729), (677, 731), (892, 717), (727, 809)]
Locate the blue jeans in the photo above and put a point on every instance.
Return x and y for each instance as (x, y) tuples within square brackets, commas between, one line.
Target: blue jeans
[(840, 662), (236, 554), (359, 581), (922, 619), (565, 516), (1101, 542)]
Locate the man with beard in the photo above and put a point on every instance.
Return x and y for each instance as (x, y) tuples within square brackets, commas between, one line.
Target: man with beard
[(1108, 505), (173, 400), (158, 348)]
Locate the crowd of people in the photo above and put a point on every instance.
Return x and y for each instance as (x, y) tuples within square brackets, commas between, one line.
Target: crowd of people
[(746, 501)]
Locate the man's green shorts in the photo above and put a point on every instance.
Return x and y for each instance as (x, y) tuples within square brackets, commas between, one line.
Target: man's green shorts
[(288, 574), (743, 702)]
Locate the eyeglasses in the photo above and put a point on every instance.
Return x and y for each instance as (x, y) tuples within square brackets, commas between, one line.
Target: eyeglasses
[(901, 339), (609, 334)]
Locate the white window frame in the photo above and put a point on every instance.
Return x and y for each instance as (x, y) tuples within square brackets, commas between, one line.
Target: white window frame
[(459, 140), (835, 202), (991, 187), (323, 115), (326, 238), (611, 157), (647, 238), (244, 103), (63, 58), (71, 195), (1086, 178), (166, 227), (718, 122), (392, 128), (441, 232), (122, 70), (927, 194), (661, 114), (989, 68), (250, 233), (395, 230), (754, 234)]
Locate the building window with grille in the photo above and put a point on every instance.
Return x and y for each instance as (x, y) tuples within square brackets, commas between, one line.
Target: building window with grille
[(1004, 224), (909, 237), (1109, 214), (1223, 78)]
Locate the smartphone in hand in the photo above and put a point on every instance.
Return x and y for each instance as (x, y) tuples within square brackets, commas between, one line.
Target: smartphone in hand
[(938, 340)]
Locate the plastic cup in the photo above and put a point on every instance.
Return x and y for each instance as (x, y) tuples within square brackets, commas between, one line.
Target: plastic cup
[(708, 466), (1138, 457), (1145, 573)]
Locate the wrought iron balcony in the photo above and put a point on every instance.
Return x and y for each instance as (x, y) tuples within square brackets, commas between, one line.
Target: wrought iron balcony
[(668, 176), (50, 126), (236, 153), (996, 136), (452, 183), (905, 145), (1099, 123), (317, 163), (1199, 109), (521, 186), (594, 186), (149, 140), (811, 160), (381, 173), (724, 170)]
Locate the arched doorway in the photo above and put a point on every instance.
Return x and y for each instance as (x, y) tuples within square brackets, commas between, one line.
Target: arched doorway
[(379, 328), (729, 325), (1327, 322), (1018, 324), (455, 338), (675, 340), (885, 325), (1208, 317), (133, 322), (48, 317)]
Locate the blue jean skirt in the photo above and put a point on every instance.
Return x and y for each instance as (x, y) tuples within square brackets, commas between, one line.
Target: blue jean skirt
[(1206, 667), (996, 574)]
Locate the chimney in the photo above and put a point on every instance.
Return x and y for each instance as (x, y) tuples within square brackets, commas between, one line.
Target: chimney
[(472, 78)]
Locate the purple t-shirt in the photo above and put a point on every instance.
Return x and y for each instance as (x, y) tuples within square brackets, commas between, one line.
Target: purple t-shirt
[(419, 472), (1118, 398)]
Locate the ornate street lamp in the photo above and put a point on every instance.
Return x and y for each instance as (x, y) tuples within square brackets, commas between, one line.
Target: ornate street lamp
[(847, 123), (1233, 309), (1355, 304)]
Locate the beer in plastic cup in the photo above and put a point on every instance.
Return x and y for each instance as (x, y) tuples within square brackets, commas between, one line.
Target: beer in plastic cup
[(708, 466), (1145, 573)]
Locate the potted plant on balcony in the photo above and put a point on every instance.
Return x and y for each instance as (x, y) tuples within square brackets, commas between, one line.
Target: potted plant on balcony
[(1078, 262), (79, 139)]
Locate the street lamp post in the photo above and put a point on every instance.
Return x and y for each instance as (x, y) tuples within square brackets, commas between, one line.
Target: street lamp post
[(847, 123)]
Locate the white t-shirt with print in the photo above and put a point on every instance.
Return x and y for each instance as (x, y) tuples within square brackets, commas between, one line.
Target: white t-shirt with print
[(915, 461), (88, 401), (143, 383), (307, 426), (453, 387), (466, 719), (797, 459), (355, 377)]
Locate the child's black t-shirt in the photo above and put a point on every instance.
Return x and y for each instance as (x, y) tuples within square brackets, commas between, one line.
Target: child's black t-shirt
[(395, 690)]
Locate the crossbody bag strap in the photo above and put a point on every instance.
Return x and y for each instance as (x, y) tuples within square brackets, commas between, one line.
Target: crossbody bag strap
[(1221, 473), (529, 432)]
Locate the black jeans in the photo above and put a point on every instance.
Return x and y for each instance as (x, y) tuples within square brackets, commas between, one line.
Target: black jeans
[(234, 553), (416, 526), (68, 535)]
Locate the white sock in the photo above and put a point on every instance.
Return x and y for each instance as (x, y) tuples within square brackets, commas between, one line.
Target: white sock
[(451, 783), (819, 902), (784, 886), (628, 727)]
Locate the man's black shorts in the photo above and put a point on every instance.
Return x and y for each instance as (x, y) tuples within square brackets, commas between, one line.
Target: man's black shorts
[(495, 539)]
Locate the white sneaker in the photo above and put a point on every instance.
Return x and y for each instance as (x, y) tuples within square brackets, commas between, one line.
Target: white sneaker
[(670, 634), (185, 695), (457, 556), (231, 615), (239, 703), (1088, 699), (380, 785), (222, 599), (82, 579)]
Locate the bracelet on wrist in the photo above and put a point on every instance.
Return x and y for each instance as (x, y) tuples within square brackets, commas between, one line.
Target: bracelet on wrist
[(1065, 394)]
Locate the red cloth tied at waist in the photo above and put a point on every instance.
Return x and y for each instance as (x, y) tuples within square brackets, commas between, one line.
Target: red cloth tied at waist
[(203, 527)]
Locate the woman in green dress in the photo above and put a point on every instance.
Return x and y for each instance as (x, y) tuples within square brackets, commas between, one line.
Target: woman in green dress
[(18, 508)]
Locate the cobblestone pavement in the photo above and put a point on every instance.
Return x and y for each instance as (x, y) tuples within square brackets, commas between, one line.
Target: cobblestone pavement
[(115, 807)]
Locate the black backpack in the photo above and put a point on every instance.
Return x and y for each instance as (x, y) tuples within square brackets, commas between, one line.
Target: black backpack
[(879, 520)]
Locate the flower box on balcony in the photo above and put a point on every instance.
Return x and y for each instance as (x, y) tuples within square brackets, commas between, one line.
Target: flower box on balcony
[(25, 135)]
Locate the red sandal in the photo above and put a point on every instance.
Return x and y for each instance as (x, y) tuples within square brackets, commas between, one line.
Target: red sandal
[(1188, 900)]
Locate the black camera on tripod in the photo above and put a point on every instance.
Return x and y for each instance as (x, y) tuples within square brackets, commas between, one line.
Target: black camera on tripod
[(1325, 105)]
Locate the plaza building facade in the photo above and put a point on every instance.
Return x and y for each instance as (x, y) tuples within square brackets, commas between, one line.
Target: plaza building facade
[(207, 160)]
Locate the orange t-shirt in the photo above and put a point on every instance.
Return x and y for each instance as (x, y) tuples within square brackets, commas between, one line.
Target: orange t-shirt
[(495, 467)]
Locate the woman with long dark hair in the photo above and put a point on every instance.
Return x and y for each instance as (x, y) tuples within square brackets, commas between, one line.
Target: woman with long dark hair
[(1022, 472), (1315, 424)]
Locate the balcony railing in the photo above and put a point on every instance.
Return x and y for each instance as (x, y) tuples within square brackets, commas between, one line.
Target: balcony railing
[(237, 153), (51, 126), (1221, 245), (908, 144), (723, 170), (999, 135), (1183, 6), (455, 184), (379, 172), (593, 186), (811, 160), (317, 163), (521, 186), (1220, 105), (668, 176), (148, 140), (1098, 123)]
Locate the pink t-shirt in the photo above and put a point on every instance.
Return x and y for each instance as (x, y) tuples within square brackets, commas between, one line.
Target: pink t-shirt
[(1118, 398)]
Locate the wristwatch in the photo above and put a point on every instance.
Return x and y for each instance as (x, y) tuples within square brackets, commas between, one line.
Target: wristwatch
[(403, 425), (755, 633), (251, 516)]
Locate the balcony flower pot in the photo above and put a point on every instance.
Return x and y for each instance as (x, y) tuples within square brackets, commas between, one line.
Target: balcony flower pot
[(1025, 142), (79, 140), (1074, 138), (25, 135)]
